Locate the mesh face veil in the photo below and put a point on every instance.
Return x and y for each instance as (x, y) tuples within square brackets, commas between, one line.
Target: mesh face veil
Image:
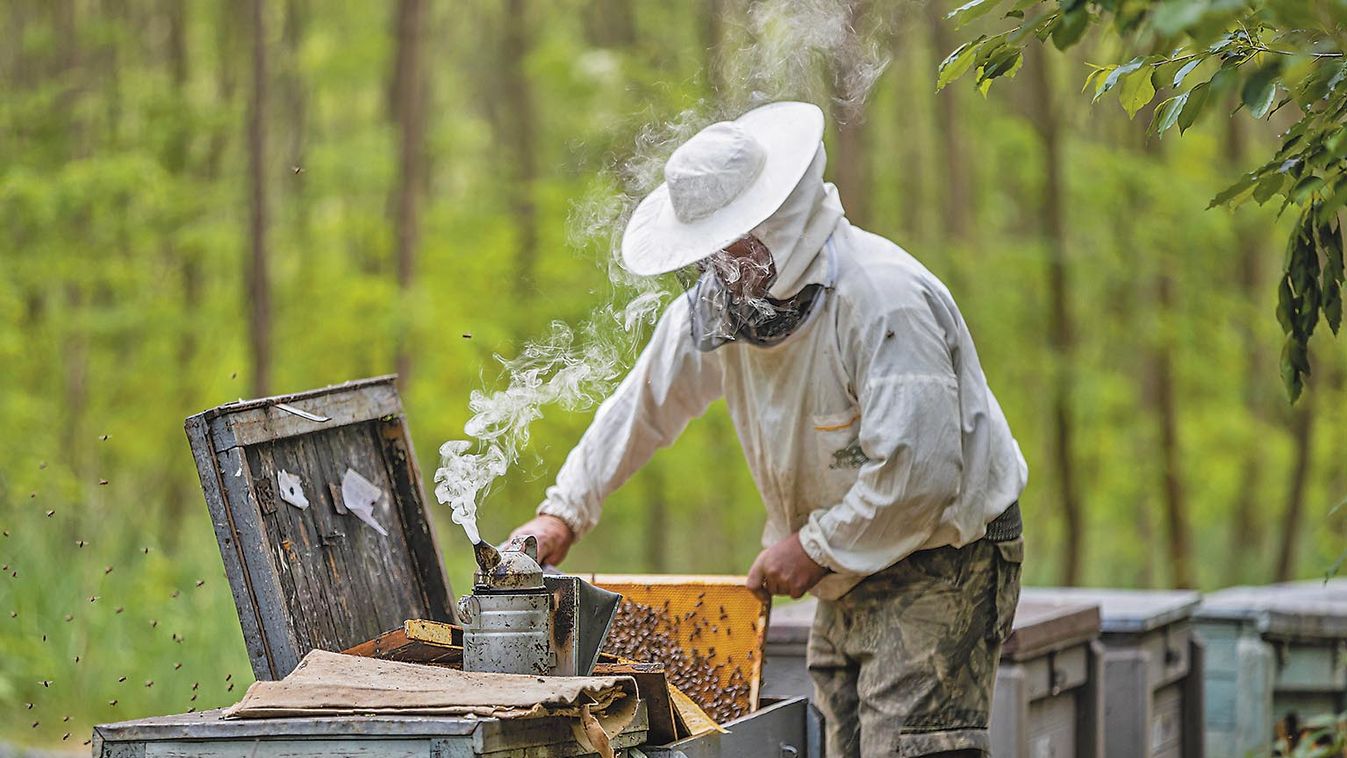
[(728, 301)]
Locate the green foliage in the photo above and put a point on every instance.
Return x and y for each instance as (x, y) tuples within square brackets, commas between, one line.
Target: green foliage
[(1323, 736), (1270, 55)]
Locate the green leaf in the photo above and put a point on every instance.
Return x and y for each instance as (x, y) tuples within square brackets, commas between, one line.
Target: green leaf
[(1260, 89), (1005, 61), (1192, 108), (1330, 285), (971, 10), (1332, 306), (1286, 305), (1234, 190), (1171, 18), (1070, 26), (1328, 209), (1305, 187), (1167, 114), (1136, 92), (957, 63), (1188, 67), (1291, 377), (1111, 80), (1097, 77), (1337, 143), (1269, 185)]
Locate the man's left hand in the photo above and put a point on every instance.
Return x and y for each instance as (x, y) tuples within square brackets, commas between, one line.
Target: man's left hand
[(784, 569)]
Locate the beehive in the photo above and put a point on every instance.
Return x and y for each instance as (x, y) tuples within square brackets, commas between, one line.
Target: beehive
[(708, 632)]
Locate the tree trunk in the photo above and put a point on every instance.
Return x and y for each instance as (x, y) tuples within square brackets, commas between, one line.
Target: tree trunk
[(1178, 534), (956, 208), (1302, 428), (1176, 505), (409, 111), (178, 491), (1334, 374), (1060, 325), (1245, 532), (517, 125), (912, 77), (295, 101), (257, 283), (610, 23), (848, 115)]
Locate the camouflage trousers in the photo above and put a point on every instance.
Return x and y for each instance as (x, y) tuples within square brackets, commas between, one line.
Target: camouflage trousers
[(905, 663)]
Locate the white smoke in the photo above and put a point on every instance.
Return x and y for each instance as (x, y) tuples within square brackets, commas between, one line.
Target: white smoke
[(797, 49)]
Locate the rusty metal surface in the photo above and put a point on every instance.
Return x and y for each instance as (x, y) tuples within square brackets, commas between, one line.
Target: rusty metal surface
[(708, 631)]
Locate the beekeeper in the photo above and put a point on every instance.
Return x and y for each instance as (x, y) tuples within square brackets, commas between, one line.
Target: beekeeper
[(889, 473)]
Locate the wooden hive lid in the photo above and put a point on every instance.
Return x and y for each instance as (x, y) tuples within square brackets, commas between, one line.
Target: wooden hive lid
[(318, 577), (1044, 625), (1308, 610), (1126, 611)]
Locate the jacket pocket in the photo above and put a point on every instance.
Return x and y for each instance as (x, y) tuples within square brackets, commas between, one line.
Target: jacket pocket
[(837, 437), (1009, 560)]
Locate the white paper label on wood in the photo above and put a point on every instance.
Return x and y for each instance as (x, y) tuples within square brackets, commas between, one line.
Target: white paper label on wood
[(360, 496), (292, 490)]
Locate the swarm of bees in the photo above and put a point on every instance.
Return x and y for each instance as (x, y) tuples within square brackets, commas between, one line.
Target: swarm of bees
[(53, 685)]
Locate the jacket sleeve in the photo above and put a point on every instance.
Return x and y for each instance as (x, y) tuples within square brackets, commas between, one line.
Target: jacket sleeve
[(910, 434), (671, 384)]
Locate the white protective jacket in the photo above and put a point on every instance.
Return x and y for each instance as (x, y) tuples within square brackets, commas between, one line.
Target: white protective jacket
[(870, 430)]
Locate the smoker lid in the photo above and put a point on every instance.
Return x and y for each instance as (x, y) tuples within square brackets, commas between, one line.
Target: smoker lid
[(1127, 611), (1311, 609)]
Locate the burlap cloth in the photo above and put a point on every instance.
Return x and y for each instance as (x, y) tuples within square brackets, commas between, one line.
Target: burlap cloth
[(332, 684)]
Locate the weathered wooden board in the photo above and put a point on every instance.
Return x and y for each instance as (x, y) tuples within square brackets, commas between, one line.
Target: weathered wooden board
[(653, 688), (416, 641), (205, 734), (1043, 625), (318, 577)]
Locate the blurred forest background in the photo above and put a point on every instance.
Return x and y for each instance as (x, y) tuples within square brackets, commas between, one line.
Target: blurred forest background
[(209, 200)]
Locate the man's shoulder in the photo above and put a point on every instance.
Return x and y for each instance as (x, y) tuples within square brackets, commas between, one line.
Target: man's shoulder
[(875, 271)]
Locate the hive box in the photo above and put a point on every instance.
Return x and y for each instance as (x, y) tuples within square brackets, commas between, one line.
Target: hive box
[(1271, 651), (1048, 689), (1152, 669), (207, 735), (1049, 686)]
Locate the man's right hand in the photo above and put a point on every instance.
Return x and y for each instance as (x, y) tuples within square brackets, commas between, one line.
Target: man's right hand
[(554, 538)]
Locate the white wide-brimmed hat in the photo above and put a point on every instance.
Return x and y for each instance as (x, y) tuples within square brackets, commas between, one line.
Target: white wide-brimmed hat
[(720, 184)]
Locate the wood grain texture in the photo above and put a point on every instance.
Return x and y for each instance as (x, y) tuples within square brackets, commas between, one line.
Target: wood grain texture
[(209, 734), (653, 688), (1043, 625), (416, 641), (245, 422), (226, 536), (318, 577), (303, 748)]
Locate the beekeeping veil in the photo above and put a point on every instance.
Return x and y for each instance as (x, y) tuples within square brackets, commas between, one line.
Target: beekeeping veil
[(761, 174)]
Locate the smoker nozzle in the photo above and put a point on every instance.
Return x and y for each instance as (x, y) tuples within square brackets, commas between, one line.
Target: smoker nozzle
[(487, 556)]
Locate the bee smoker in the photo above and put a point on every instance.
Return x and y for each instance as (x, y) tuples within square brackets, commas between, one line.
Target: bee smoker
[(520, 621)]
